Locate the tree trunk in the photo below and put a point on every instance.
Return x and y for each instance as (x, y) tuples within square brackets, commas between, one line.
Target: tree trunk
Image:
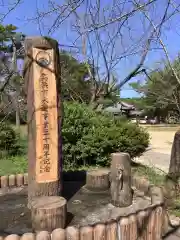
[(174, 167), (42, 78), (171, 181), (120, 172), (48, 213)]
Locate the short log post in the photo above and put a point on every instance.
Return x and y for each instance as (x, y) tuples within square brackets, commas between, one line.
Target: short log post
[(59, 234), (72, 233), (124, 229), (111, 230), (28, 236), (133, 227), (141, 222), (42, 78), (99, 231), (12, 180), (154, 223), (20, 180), (86, 233), (4, 181), (12, 237), (158, 224), (44, 235), (156, 194), (48, 213), (25, 179), (97, 180), (120, 174)]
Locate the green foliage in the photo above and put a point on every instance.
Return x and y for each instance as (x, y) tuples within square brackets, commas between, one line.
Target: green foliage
[(10, 141), (7, 137), (89, 138), (13, 165), (161, 90), (6, 32)]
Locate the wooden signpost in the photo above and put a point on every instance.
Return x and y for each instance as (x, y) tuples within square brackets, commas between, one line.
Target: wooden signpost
[(42, 77)]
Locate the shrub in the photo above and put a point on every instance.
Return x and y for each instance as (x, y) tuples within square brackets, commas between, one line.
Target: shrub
[(7, 136), (9, 140), (89, 137)]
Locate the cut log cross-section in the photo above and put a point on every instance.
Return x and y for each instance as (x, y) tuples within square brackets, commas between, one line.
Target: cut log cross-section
[(97, 180), (48, 213)]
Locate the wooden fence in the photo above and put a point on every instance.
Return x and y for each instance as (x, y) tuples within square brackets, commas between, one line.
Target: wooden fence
[(17, 180), (145, 225)]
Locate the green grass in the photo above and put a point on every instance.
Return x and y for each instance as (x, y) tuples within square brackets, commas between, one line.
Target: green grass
[(13, 165), (157, 179), (149, 173)]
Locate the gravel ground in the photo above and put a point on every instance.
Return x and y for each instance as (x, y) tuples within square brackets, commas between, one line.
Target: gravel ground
[(158, 153)]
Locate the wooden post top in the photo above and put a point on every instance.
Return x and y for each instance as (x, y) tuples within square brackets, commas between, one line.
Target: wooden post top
[(40, 42)]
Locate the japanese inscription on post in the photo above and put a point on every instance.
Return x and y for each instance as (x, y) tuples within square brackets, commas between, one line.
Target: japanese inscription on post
[(45, 96)]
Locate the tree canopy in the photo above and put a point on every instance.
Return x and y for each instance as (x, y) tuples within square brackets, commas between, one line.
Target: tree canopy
[(161, 91)]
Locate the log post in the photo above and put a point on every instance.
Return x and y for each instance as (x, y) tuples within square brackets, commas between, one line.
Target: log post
[(120, 174), (112, 230), (174, 166), (157, 196), (42, 78), (97, 180), (86, 233), (172, 178), (4, 181), (12, 180), (48, 213), (58, 234)]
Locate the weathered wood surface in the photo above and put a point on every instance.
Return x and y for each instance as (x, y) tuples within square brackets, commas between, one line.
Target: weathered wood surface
[(120, 175), (48, 213), (44, 175), (174, 166), (97, 180)]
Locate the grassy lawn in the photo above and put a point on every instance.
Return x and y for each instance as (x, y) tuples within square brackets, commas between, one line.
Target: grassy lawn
[(13, 165)]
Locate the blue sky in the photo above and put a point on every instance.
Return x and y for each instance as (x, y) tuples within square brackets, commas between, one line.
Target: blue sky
[(21, 15)]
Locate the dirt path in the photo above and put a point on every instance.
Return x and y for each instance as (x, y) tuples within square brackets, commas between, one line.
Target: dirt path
[(158, 153)]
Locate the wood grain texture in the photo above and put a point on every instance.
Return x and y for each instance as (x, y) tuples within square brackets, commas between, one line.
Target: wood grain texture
[(100, 232), (97, 180), (48, 213), (72, 233), (59, 234), (46, 94), (86, 233), (45, 188), (121, 192), (111, 231)]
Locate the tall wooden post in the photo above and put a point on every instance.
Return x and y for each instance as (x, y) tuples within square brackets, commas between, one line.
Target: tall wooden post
[(42, 78)]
